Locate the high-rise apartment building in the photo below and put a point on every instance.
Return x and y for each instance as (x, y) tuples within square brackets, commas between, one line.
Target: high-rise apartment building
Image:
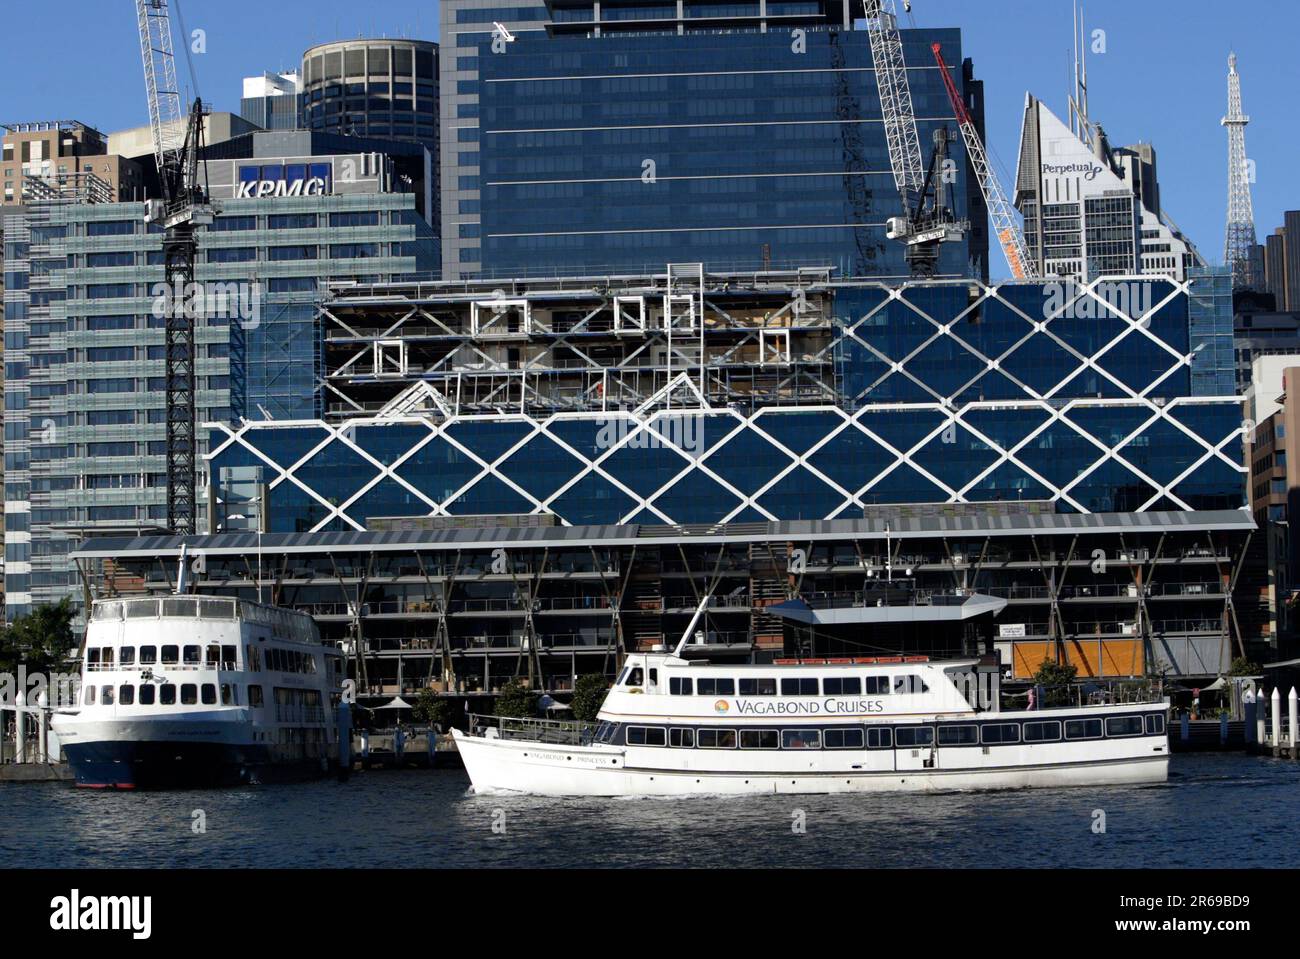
[(47, 151)]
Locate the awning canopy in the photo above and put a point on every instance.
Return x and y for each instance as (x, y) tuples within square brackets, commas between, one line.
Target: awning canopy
[(971, 606)]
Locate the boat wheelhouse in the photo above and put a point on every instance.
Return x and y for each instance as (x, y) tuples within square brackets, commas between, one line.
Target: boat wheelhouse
[(670, 726), (190, 690)]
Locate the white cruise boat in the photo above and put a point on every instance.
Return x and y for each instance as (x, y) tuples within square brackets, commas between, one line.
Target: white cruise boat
[(672, 727), (191, 690)]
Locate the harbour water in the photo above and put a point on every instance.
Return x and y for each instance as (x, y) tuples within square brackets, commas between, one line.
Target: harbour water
[(1216, 811)]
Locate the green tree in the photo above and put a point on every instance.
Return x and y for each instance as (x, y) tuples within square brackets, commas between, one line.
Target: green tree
[(588, 696), (40, 640), (431, 708), (1055, 680), (516, 701), (1242, 666)]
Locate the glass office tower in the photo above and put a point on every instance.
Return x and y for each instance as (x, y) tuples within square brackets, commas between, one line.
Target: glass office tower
[(744, 136)]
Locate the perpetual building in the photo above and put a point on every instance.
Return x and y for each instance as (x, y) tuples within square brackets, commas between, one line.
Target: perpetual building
[(612, 137)]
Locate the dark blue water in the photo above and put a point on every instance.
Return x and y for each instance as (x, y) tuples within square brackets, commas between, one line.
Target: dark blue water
[(1216, 810)]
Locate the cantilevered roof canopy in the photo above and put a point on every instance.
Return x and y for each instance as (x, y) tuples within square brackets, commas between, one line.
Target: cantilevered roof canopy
[(909, 523)]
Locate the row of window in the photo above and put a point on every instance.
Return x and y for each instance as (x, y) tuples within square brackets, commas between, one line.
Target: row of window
[(194, 656), (164, 694), (886, 737), (793, 685)]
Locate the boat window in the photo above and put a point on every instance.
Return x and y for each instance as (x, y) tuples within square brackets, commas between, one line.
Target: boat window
[(142, 609), (710, 686), (801, 739), (875, 685), (167, 694), (1083, 729), (171, 655), (764, 686), (909, 683), (192, 655), (187, 608), (209, 692), (654, 677), (1155, 724), (212, 655), (1042, 732), (843, 738), (216, 609), (842, 686), (798, 686), (637, 677), (716, 738), (681, 738), (106, 657), (229, 695), (959, 735), (108, 611), (148, 655), (228, 656), (623, 676), (126, 695), (1001, 733), (146, 695), (645, 736), (106, 695), (189, 694), (127, 657), (759, 739), (907, 736), (881, 737), (679, 686), (255, 696), (88, 697), (1124, 726), (92, 657)]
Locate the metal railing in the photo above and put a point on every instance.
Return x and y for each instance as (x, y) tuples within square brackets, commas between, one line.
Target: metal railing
[(555, 731)]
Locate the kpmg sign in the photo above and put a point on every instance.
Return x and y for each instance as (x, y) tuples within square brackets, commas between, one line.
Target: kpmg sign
[(285, 179)]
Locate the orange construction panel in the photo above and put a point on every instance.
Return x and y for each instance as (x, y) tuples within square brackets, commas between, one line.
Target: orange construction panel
[(1122, 657), (1026, 658)]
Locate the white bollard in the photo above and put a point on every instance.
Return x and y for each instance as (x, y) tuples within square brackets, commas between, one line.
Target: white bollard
[(20, 727), (1275, 711), (1261, 736), (1293, 708), (43, 726), (1248, 712)]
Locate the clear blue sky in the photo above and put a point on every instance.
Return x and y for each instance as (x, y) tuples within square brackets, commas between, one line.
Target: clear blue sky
[(1161, 80)]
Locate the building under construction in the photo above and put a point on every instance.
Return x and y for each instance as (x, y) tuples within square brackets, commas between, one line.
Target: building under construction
[(539, 476)]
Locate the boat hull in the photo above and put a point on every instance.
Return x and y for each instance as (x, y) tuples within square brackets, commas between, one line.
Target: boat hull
[(514, 766), (182, 754)]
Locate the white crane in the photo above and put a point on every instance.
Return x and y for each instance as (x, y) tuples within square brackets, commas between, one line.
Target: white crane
[(927, 220), (1005, 225)]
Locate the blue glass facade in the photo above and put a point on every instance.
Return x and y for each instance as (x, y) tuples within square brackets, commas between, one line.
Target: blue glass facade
[(948, 393), (740, 149)]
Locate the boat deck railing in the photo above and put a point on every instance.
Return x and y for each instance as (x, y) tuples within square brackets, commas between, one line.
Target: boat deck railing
[(556, 731)]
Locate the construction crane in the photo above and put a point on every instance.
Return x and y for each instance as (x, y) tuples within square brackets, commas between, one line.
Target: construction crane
[(927, 219), (184, 207), (1005, 225)]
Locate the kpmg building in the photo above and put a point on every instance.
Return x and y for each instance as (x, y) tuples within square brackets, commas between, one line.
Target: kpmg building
[(617, 137), (84, 341)]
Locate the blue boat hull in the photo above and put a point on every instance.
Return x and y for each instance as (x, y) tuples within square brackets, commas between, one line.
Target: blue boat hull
[(187, 765)]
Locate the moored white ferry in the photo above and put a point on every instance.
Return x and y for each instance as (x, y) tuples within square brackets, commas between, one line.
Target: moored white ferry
[(191, 690), (674, 727)]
